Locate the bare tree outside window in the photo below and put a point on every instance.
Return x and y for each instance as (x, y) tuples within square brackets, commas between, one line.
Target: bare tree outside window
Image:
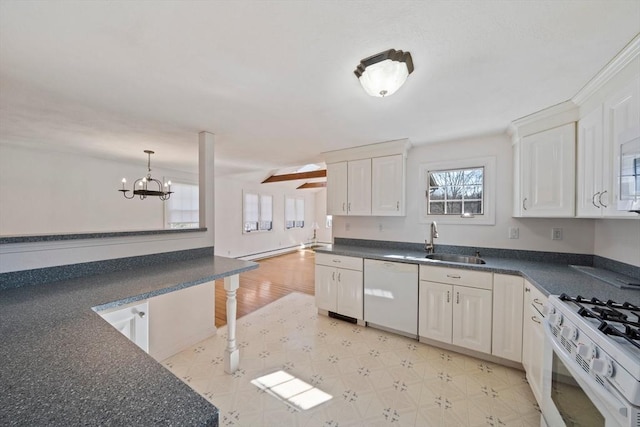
[(456, 191)]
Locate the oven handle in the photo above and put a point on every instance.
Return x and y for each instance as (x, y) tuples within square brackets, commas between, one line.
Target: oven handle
[(607, 397)]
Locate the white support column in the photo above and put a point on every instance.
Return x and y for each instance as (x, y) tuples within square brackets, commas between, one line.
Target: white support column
[(206, 160), (232, 352)]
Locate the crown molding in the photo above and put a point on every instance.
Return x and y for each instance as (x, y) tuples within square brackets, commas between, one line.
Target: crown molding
[(550, 117), (388, 148), (621, 60)]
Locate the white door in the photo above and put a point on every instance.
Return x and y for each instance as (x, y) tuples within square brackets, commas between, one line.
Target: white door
[(592, 185), (349, 293), (337, 188), (472, 318), (359, 187), (387, 186), (325, 287), (508, 300), (548, 173), (435, 315)]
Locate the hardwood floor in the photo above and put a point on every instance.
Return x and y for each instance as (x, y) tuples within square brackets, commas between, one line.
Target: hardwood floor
[(275, 278)]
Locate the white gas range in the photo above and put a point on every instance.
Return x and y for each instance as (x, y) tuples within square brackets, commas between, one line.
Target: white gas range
[(592, 363)]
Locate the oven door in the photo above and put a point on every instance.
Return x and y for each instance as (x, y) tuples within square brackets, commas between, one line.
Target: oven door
[(571, 397)]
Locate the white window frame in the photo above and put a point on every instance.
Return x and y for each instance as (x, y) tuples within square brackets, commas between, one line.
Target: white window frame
[(176, 182), (294, 215), (264, 217), (488, 191)]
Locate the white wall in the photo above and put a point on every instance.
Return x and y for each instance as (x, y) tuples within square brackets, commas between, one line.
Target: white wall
[(618, 239), (46, 192), (324, 234), (535, 234), (231, 242)]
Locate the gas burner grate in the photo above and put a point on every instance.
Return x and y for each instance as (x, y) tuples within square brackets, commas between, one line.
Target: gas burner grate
[(608, 312)]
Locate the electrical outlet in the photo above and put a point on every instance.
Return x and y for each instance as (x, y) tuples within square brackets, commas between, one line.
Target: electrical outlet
[(380, 228), (514, 232), (347, 226), (556, 233)]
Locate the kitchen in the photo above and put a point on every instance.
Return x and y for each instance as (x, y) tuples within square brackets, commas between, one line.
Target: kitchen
[(614, 239)]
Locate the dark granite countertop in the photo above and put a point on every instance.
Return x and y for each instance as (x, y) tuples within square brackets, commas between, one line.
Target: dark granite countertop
[(550, 277), (62, 364), (33, 238)]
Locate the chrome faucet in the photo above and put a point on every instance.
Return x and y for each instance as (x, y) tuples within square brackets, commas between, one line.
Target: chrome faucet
[(430, 247)]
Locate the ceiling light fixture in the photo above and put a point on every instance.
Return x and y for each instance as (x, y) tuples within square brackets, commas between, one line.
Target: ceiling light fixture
[(141, 186), (383, 73)]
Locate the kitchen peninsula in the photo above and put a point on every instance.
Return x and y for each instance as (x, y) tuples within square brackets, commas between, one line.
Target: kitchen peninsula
[(62, 364)]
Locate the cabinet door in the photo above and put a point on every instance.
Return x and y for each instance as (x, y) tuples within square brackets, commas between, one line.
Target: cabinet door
[(387, 186), (535, 349), (349, 293), (548, 173), (622, 124), (359, 187), (472, 318), (325, 287), (592, 157), (435, 311), (508, 300), (337, 188), (132, 321)]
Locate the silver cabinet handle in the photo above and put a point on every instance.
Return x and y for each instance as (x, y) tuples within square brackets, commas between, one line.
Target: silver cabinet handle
[(397, 206), (338, 277), (139, 313), (342, 206), (593, 200), (336, 261), (527, 290), (535, 319), (333, 275), (537, 301), (457, 297), (524, 204), (600, 199), (453, 276), (448, 297)]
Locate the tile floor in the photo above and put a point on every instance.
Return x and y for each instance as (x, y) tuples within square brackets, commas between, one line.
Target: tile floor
[(375, 378)]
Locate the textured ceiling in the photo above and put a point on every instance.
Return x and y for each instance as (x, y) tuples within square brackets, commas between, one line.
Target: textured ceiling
[(274, 79)]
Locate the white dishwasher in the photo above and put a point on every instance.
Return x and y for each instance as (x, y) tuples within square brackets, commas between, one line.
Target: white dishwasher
[(391, 296)]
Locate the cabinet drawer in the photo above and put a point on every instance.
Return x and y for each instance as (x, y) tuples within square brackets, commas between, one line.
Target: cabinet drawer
[(341, 261), (534, 296), (454, 276)]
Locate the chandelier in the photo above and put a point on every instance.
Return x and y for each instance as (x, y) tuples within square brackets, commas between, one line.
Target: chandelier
[(382, 74), (141, 186)]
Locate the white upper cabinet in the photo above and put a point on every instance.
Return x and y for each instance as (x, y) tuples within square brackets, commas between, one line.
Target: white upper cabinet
[(367, 180), (593, 175), (349, 188), (546, 173), (600, 135), (337, 188), (388, 186), (359, 187)]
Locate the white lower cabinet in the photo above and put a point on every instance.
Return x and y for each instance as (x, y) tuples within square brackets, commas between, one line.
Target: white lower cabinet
[(132, 321), (338, 285), (533, 338), (455, 307), (507, 316)]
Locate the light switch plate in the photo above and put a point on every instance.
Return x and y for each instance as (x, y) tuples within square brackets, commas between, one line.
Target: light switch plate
[(514, 232), (556, 233)]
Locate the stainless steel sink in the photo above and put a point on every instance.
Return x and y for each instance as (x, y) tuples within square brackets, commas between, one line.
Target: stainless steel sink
[(463, 259)]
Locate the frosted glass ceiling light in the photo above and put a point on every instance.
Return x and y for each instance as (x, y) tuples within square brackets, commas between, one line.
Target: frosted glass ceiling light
[(383, 73)]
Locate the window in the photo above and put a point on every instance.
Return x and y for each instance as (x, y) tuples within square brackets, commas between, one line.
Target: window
[(258, 212), (459, 191), (182, 208), (456, 191), (293, 212)]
